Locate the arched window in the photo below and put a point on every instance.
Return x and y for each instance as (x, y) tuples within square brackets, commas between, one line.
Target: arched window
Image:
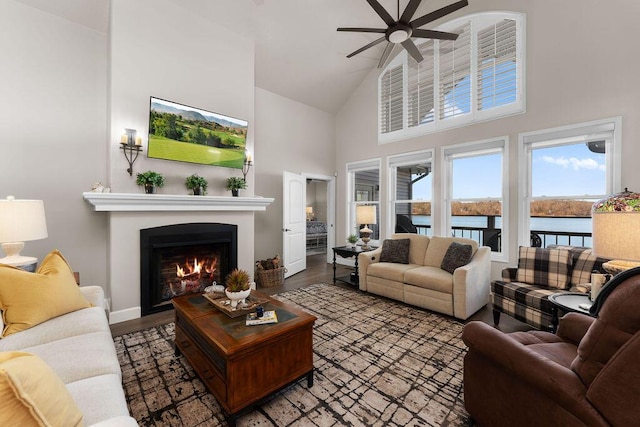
[(477, 77)]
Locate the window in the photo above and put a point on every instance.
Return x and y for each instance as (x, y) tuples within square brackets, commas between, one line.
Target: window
[(363, 189), (391, 109), (479, 76), (566, 170), (455, 74), (410, 184), (476, 193)]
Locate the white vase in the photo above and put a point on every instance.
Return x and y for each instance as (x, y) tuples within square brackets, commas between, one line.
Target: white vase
[(236, 297)]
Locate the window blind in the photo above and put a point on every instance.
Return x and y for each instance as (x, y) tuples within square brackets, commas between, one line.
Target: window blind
[(391, 100), (455, 74), (497, 65), (420, 87)]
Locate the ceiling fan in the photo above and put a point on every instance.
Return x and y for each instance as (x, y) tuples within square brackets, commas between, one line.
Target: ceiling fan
[(401, 31)]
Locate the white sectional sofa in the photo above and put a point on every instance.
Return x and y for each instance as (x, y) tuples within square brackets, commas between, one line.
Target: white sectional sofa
[(423, 283), (78, 346)]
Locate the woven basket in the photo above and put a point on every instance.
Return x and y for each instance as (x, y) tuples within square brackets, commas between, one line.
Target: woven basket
[(270, 278)]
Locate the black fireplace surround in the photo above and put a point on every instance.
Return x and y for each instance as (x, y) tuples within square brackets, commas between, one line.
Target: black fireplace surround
[(166, 249)]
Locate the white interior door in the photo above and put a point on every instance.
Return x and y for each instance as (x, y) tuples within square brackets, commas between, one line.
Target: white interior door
[(294, 222)]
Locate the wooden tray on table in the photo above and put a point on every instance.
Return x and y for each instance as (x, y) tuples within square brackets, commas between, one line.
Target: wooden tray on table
[(222, 303)]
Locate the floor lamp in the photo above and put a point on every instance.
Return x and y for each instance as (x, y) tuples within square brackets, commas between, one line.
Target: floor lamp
[(366, 215), (20, 221)]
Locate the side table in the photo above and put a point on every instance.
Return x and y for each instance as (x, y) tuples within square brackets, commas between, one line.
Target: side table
[(348, 252), (568, 302)]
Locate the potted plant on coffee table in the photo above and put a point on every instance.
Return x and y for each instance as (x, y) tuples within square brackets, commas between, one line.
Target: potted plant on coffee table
[(150, 180), (197, 184), (234, 184), (352, 239), (237, 286)]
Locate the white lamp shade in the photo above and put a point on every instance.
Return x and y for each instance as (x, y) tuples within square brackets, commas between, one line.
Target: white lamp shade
[(616, 235), (309, 209), (366, 215), (22, 220)]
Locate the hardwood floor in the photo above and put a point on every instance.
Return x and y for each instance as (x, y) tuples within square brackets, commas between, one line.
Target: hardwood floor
[(318, 271)]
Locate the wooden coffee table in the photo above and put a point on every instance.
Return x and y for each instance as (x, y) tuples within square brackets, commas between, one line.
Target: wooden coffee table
[(243, 365)]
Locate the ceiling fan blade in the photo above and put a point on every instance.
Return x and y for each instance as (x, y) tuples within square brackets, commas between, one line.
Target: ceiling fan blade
[(385, 54), (382, 12), (430, 17), (410, 10), (364, 30), (431, 34), (363, 48), (412, 49)]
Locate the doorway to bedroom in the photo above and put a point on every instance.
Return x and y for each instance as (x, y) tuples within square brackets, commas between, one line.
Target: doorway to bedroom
[(316, 209)]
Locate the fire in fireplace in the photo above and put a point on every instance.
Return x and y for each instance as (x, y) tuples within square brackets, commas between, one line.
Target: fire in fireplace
[(183, 258)]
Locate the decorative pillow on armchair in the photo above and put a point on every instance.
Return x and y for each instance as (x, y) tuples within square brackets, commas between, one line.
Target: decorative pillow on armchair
[(544, 267), (456, 256), (395, 250)]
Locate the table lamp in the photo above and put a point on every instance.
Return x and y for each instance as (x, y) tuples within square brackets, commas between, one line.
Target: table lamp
[(309, 211), (616, 230), (366, 215), (20, 221)]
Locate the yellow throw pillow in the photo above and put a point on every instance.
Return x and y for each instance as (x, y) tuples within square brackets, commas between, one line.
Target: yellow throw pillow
[(31, 394), (28, 299)]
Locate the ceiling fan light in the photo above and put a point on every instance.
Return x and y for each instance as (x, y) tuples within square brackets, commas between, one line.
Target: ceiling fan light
[(398, 36)]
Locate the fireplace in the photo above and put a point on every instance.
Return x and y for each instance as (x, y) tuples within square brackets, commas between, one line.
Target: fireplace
[(183, 258)]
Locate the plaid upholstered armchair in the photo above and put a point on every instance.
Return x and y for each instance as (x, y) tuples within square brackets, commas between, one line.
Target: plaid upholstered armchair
[(523, 291)]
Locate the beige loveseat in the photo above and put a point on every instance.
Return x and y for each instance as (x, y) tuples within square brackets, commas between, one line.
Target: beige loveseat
[(423, 283)]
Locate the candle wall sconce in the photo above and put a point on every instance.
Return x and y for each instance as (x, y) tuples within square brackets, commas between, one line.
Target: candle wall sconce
[(131, 146), (246, 166)]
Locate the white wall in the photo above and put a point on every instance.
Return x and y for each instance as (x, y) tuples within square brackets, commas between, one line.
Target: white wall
[(53, 89), (160, 49), (292, 137), (580, 67)]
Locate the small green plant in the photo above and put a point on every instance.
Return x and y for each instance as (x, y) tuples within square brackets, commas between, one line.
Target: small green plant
[(196, 183), (236, 183), (352, 238), (237, 281), (150, 178)]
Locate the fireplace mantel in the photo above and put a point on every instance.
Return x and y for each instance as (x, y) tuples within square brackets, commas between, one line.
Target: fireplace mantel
[(131, 202)]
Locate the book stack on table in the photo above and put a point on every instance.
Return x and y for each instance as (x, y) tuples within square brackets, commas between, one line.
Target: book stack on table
[(269, 316)]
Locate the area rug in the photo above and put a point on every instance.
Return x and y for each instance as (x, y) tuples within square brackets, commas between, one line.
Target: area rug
[(377, 363)]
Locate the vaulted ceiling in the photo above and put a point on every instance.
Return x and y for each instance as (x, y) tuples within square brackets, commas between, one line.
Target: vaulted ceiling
[(298, 52)]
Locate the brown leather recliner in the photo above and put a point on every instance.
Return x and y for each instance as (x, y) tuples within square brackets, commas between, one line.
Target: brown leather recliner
[(588, 373)]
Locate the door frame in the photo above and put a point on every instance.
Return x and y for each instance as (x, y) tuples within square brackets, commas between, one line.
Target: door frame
[(331, 209)]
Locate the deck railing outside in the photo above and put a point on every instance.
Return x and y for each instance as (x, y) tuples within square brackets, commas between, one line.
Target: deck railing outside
[(491, 236)]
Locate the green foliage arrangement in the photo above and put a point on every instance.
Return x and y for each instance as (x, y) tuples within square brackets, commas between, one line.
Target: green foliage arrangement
[(237, 281), (150, 178), (195, 182), (352, 238), (236, 183)]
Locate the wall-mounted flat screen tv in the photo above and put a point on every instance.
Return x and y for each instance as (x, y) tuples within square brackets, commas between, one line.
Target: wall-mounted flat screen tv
[(188, 134)]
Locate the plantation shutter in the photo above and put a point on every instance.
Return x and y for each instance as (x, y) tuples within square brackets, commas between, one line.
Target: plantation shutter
[(420, 87), (497, 62), (391, 102), (455, 74)]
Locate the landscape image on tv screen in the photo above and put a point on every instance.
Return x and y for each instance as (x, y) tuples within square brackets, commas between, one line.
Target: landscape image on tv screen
[(187, 134)]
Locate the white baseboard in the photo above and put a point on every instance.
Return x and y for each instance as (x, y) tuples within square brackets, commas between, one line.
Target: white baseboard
[(124, 315)]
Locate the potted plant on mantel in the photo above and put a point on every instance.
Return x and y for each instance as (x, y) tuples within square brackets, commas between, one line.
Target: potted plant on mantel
[(150, 180), (197, 184), (237, 286), (234, 184)]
